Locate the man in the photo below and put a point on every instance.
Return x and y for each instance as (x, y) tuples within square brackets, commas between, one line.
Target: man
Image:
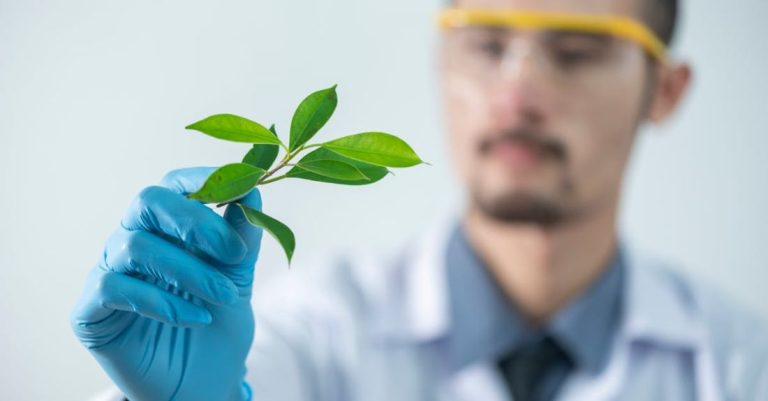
[(531, 295)]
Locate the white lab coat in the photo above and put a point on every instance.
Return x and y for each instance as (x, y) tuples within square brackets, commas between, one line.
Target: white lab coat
[(369, 329)]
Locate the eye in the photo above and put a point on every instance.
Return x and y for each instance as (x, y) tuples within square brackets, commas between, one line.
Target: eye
[(574, 57), (492, 48)]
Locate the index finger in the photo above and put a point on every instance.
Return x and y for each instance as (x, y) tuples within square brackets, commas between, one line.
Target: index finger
[(186, 180), (186, 222)]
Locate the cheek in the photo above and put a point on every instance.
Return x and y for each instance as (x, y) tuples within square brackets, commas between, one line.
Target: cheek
[(466, 115), (604, 124)]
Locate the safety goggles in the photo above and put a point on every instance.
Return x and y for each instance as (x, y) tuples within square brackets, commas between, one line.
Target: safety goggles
[(616, 26), (573, 52)]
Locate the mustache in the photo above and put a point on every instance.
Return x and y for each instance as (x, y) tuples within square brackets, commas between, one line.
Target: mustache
[(544, 143)]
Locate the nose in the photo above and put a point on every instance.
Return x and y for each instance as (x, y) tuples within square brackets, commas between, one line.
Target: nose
[(519, 60), (518, 96)]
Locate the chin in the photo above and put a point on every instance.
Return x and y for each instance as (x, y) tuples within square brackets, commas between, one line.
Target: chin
[(522, 207)]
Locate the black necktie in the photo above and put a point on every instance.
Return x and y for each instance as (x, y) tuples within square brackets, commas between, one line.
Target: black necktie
[(535, 372)]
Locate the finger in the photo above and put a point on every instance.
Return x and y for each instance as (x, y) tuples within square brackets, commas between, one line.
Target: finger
[(189, 180), (242, 273), (140, 252), (186, 180), (119, 292), (187, 222), (250, 234)]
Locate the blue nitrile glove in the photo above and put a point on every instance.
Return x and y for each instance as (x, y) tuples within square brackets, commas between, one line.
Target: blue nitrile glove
[(167, 312)]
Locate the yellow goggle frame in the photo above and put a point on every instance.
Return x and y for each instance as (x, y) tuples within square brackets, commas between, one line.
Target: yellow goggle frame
[(619, 26)]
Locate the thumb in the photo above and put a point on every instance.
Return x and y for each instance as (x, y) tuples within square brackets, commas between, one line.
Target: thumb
[(189, 180), (250, 234), (242, 273)]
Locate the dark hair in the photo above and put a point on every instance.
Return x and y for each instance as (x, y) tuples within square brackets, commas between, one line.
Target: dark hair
[(661, 16)]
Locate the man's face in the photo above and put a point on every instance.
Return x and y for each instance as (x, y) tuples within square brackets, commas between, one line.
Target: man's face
[(542, 132)]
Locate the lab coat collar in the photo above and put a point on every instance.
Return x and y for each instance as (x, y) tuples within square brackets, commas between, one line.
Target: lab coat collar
[(426, 287), (654, 308), (659, 306)]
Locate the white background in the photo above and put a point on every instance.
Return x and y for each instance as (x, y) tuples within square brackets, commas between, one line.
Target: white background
[(94, 96)]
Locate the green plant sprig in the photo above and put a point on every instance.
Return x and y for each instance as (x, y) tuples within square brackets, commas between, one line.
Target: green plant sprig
[(357, 159)]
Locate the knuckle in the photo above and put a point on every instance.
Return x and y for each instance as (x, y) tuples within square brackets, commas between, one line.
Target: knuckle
[(110, 258), (170, 178), (186, 228), (114, 250), (195, 232), (133, 243), (148, 196), (129, 251), (144, 208), (106, 284)]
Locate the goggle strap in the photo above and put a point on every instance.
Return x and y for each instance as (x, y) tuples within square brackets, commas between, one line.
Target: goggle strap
[(619, 26)]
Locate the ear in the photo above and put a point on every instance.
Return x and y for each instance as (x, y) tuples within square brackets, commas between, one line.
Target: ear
[(672, 82)]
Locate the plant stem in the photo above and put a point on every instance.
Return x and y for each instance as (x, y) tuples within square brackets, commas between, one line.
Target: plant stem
[(273, 179), (314, 145), (284, 162), (281, 164)]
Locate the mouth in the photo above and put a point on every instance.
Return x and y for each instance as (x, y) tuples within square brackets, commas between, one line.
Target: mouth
[(516, 154)]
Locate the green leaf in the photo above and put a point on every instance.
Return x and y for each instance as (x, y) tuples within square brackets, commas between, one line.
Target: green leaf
[(376, 148), (278, 230), (313, 112), (262, 155), (234, 128), (372, 172), (333, 169), (228, 182)]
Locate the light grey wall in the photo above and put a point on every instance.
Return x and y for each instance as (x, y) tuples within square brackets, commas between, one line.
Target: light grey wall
[(94, 95)]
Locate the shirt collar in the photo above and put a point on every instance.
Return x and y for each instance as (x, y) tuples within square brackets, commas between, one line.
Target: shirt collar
[(592, 320), (484, 323)]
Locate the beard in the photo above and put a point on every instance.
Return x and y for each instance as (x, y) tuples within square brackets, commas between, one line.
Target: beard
[(545, 208), (524, 208)]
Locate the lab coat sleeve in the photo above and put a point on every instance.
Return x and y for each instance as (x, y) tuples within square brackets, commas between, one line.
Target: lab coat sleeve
[(747, 363), (112, 394), (303, 339), (739, 339), (291, 361), (760, 387)]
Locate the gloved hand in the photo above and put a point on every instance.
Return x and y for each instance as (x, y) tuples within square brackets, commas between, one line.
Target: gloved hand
[(166, 311)]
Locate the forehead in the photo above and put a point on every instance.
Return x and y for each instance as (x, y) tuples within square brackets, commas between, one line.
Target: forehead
[(626, 8)]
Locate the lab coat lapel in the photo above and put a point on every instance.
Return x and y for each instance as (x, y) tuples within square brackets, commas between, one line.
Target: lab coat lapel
[(655, 312), (428, 317)]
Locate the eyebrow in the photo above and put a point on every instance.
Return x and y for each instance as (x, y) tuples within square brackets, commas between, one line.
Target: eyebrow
[(596, 38), (490, 29), (550, 36)]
